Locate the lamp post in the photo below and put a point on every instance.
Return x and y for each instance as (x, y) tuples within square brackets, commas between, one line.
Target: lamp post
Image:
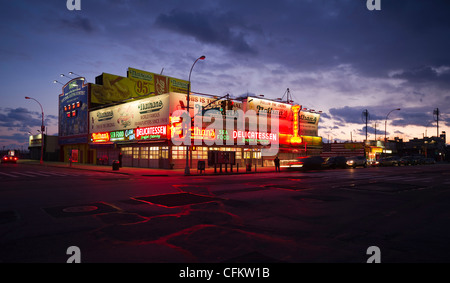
[(42, 129), (72, 73), (187, 170), (385, 126)]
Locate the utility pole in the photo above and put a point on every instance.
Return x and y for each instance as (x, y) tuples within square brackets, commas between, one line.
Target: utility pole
[(436, 112), (366, 117)]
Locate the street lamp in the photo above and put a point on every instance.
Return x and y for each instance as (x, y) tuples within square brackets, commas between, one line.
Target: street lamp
[(385, 126), (42, 129), (64, 76), (72, 73), (187, 135), (57, 82)]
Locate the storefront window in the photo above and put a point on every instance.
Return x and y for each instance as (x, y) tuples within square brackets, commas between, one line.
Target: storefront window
[(144, 152), (126, 151), (178, 152), (135, 152), (165, 152), (154, 152), (200, 153)]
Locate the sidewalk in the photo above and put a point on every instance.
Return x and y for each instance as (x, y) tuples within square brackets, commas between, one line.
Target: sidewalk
[(149, 171)]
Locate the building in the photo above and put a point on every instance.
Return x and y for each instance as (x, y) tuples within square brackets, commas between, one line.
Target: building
[(51, 147), (139, 120)]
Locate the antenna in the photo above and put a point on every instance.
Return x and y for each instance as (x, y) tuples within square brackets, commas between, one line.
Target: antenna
[(162, 70)]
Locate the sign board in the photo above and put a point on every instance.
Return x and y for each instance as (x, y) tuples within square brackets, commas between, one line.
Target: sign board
[(147, 112), (309, 123), (73, 109), (216, 157)]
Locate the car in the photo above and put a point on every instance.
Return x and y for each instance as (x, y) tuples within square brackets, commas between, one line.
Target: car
[(9, 159), (303, 163), (395, 160), (428, 161), (356, 161), (420, 159), (406, 160), (387, 161), (335, 162)]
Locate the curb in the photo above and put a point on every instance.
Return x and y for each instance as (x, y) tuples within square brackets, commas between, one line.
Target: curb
[(150, 174)]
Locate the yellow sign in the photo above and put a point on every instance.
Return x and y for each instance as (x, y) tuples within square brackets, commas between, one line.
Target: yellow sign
[(117, 88), (138, 84), (163, 84)]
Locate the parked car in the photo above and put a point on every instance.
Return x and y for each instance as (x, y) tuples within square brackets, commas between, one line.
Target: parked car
[(356, 161), (303, 163), (335, 162), (406, 161), (420, 159), (9, 159), (388, 161)]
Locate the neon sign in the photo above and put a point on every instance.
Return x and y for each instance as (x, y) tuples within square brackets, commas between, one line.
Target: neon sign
[(295, 138), (203, 134), (156, 132), (255, 135), (100, 137)]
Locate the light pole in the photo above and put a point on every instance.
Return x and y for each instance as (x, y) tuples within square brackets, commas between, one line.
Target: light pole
[(385, 126), (187, 170), (42, 129)]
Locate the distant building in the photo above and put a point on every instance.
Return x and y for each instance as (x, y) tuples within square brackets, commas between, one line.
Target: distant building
[(342, 149), (51, 147)]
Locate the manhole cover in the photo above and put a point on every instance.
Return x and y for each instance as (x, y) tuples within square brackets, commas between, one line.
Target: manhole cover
[(176, 199), (80, 210)]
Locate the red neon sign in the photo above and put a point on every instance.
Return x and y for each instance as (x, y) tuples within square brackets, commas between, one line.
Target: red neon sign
[(255, 135), (100, 137), (149, 132), (295, 138)]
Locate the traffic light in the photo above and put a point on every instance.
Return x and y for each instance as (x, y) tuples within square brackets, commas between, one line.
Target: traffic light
[(230, 104), (223, 105)]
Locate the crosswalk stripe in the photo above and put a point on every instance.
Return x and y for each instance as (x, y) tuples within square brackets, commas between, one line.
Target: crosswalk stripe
[(36, 173), (55, 173), (24, 174), (9, 175)]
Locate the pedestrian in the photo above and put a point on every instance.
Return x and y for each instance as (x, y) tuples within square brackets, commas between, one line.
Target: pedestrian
[(277, 164)]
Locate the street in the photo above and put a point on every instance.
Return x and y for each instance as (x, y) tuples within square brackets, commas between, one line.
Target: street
[(287, 217)]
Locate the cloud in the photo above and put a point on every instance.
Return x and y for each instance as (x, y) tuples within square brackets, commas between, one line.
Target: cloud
[(78, 23), (225, 30), (353, 115), (427, 74), (22, 119)]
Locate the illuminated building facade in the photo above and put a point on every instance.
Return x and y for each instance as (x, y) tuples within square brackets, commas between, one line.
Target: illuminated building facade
[(138, 119)]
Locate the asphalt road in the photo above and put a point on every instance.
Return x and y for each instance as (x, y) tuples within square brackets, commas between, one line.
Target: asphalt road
[(287, 217)]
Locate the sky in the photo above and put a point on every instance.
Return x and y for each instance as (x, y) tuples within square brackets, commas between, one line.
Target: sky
[(334, 56)]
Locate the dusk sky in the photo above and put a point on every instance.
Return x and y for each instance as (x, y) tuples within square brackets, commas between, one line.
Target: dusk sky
[(335, 56)]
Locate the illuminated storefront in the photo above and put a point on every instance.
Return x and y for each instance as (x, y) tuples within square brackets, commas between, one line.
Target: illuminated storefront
[(137, 120)]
